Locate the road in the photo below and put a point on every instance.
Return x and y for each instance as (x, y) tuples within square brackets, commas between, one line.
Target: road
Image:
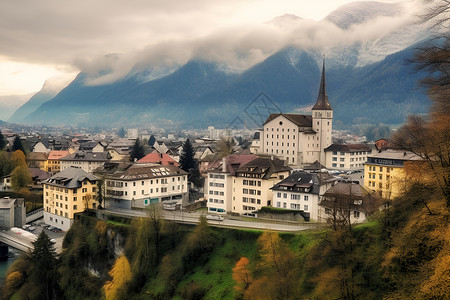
[(193, 217)]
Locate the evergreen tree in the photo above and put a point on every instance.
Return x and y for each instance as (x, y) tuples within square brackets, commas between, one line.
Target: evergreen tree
[(2, 141), (187, 161), (121, 133), (151, 140), (138, 151), (17, 145), (43, 264)]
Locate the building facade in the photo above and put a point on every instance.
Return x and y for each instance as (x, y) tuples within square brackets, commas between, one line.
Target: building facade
[(347, 157), (87, 161), (252, 183), (219, 181), (384, 172), (302, 191), (143, 184), (66, 193), (300, 139)]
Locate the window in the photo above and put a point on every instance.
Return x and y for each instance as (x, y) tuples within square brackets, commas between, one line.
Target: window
[(341, 165), (356, 214), (334, 165), (142, 182), (74, 207), (279, 195), (284, 195), (134, 183), (74, 199), (381, 176), (381, 169), (306, 197), (305, 207), (334, 158), (341, 159)]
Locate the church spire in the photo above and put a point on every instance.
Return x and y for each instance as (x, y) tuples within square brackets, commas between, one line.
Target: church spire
[(322, 100)]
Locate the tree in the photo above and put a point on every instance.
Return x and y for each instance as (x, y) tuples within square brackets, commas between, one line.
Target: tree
[(87, 199), (18, 158), (121, 275), (138, 151), (187, 161), (225, 146), (121, 132), (3, 141), (242, 275), (43, 264), (17, 145), (20, 178), (100, 194)]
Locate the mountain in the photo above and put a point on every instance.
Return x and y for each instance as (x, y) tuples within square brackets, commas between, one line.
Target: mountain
[(368, 81), (10, 103)]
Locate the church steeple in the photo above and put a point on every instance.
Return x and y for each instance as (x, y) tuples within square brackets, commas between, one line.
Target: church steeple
[(322, 100)]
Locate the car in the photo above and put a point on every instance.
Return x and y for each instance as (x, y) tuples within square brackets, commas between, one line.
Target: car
[(50, 228), (56, 229), (214, 217), (31, 228), (26, 226), (52, 241)]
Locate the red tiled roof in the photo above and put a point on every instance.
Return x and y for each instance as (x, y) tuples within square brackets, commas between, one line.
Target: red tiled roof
[(57, 154), (158, 158)]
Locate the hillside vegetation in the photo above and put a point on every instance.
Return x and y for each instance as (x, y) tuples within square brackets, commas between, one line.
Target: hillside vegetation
[(402, 253)]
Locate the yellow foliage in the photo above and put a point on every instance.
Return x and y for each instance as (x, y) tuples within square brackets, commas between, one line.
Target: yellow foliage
[(242, 275), (100, 228), (12, 282), (121, 274), (18, 158), (328, 284)]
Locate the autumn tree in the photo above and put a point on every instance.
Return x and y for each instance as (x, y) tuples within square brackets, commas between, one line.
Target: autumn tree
[(20, 178), (87, 199), (242, 275), (120, 275), (278, 267), (225, 146)]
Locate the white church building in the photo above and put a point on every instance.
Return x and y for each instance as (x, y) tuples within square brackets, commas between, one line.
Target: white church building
[(300, 139)]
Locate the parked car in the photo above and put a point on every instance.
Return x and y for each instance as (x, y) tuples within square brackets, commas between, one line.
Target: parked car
[(50, 228), (31, 228), (26, 226)]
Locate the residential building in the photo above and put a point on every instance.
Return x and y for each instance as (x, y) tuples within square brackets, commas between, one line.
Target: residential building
[(219, 181), (37, 160), (302, 191), (92, 146), (143, 184), (66, 193), (252, 183), (12, 213), (5, 183), (347, 157), (384, 172), (300, 139), (88, 161), (53, 160), (347, 202)]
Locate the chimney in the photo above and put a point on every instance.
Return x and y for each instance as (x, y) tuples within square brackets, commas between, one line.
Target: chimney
[(224, 164)]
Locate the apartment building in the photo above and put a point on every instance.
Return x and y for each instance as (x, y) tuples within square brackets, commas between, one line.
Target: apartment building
[(384, 172), (252, 183), (66, 193), (219, 181), (347, 157), (143, 184), (302, 191)]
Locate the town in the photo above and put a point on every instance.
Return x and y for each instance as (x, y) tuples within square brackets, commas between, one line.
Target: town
[(289, 164)]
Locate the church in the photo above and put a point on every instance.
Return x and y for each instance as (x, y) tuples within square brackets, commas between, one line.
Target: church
[(300, 139)]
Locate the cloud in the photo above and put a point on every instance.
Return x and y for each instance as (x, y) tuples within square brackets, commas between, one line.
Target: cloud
[(160, 34)]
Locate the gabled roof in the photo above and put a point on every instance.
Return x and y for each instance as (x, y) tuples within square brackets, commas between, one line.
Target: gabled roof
[(315, 166), (299, 120), (55, 154), (40, 156), (87, 156), (348, 147), (232, 163), (322, 102), (299, 181), (158, 158), (149, 170), (70, 178), (263, 166)]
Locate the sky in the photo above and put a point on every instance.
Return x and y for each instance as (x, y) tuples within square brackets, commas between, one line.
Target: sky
[(55, 39)]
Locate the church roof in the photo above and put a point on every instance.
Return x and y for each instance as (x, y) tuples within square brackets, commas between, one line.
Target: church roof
[(299, 120), (322, 99)]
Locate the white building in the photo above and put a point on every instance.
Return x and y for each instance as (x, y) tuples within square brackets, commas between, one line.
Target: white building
[(347, 157), (300, 139), (143, 184), (87, 161), (219, 181), (302, 191)]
